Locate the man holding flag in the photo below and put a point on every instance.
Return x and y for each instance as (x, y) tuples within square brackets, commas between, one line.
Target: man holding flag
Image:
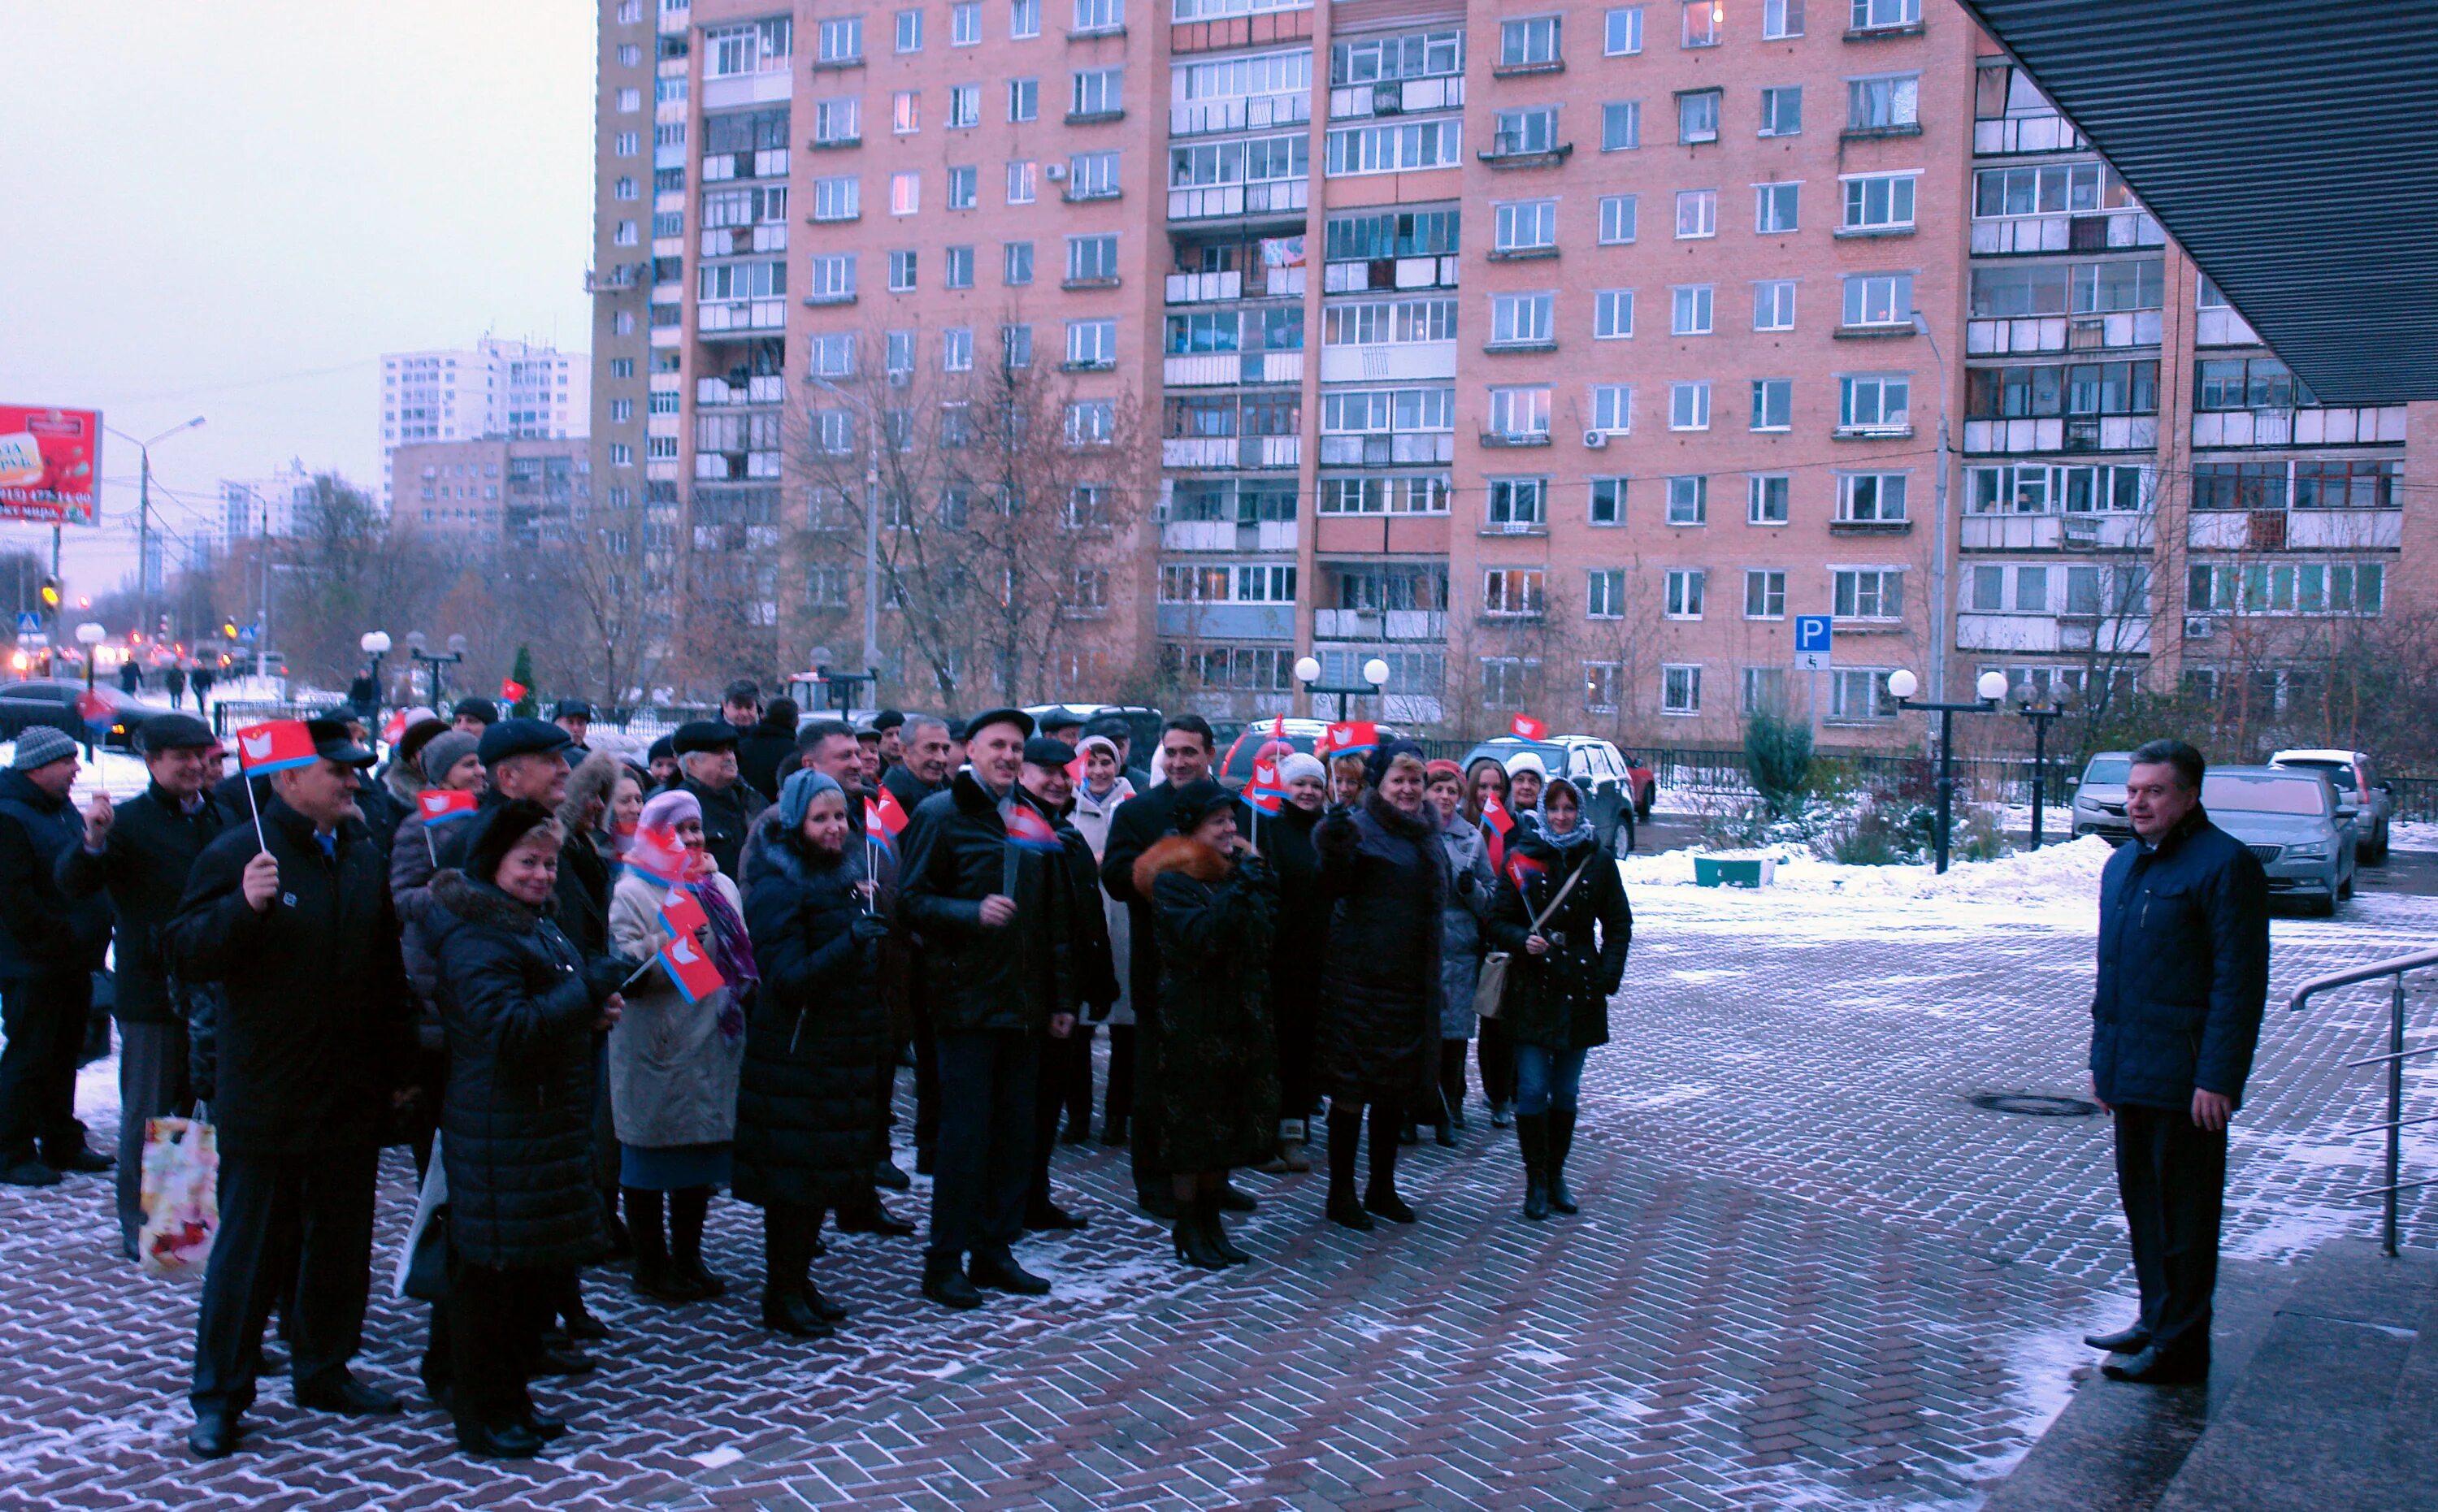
[(291, 914)]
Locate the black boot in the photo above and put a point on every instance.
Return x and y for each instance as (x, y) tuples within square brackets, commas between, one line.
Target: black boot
[(1562, 1142), (785, 1261), (1380, 1193), (688, 1207), (1532, 1136), (1344, 1133), (945, 1281), (1217, 1231), (1451, 1084), (1193, 1239), (653, 1277)]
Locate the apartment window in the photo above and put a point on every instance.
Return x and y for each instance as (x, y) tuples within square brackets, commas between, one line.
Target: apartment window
[(840, 40), (622, 367), (833, 356), (1688, 406), (1512, 590), (905, 112), (1879, 201), (1521, 320), (1022, 182), (628, 144), (1016, 264), (1621, 125), (1016, 347), (1527, 42), (901, 271), (1874, 401), (1603, 685), (965, 188), (833, 276), (1878, 299), (1091, 422), (622, 411), (1526, 225), (1023, 19), (1091, 257), (901, 354), (1869, 15), (1697, 115), (1624, 34), (1868, 593), (838, 120), (1690, 310), (1697, 213), (964, 106), (2248, 383), (625, 235), (1773, 304), (1781, 111), (1781, 18), (1608, 502), (1613, 407), (1888, 103), (1870, 497), (1097, 92), (1506, 681), (1857, 694), (836, 199), (1680, 690), (623, 323), (1604, 593), (1394, 149), (1616, 219), (1772, 404), (905, 192), (1612, 314), (1093, 344), (621, 454), (959, 263), (1532, 130), (630, 100), (1023, 100), (1775, 207), (625, 189), (1765, 497), (1764, 593), (957, 349), (1518, 503), (1685, 594), (909, 31), (1108, 15), (966, 24), (1519, 412), (1688, 500), (1094, 175), (630, 12)]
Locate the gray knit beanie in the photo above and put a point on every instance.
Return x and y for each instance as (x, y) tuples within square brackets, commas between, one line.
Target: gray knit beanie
[(443, 752), (39, 746)]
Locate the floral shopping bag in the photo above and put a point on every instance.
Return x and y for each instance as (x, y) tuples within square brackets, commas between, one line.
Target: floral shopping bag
[(181, 1189)]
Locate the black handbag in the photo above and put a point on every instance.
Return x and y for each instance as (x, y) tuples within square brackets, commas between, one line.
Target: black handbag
[(427, 1269)]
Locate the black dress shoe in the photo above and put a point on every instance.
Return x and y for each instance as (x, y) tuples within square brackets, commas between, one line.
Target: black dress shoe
[(582, 1325), (823, 1309), (2155, 1366), (1343, 1208), (350, 1396), (2130, 1341), (564, 1362), (1234, 1201), (999, 1272), (788, 1312), (1077, 1134), (873, 1220), (214, 1437), (1052, 1218), (1389, 1205), (945, 1281), (886, 1173), (1443, 1133), (545, 1429), (512, 1442), (79, 1161), (28, 1172)]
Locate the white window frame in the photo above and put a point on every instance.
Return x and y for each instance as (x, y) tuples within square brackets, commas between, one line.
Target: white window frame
[(1779, 195), (1768, 498), (1781, 19), (1855, 196), (1772, 402), (1862, 497), (1774, 304), (1863, 594), (1619, 215), (1691, 309), (1612, 314), (1622, 32), (1699, 209), (1684, 592), (1514, 218), (1611, 408), (1773, 99), (1604, 592), (1688, 404), (1874, 403), (1764, 593), (1875, 297), (1680, 689), (1689, 499), (1605, 494)]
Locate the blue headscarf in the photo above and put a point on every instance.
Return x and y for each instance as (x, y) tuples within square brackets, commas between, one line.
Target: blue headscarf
[(797, 794)]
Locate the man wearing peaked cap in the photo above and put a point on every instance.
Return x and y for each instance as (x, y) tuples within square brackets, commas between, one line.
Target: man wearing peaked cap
[(575, 716), (706, 750)]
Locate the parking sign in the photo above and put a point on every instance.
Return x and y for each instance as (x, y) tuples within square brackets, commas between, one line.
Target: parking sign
[(1811, 643)]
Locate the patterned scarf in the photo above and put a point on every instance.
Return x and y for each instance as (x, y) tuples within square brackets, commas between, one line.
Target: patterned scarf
[(730, 951)]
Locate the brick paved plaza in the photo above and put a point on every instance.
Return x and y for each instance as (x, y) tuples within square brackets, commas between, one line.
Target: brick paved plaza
[(1809, 1273)]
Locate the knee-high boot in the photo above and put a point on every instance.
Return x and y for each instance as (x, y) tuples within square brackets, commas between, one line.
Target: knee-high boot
[(1345, 1134), (786, 1259), (688, 1207), (653, 1277), (1532, 1136), (1380, 1195), (1562, 1143)]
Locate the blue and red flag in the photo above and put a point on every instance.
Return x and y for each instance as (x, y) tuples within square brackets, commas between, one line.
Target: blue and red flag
[(438, 806), (1495, 824), (1354, 737), (1266, 794), (884, 819), (658, 855), (692, 971), (1521, 869), (683, 913), (94, 710), (1528, 726), (1027, 830), (275, 747)]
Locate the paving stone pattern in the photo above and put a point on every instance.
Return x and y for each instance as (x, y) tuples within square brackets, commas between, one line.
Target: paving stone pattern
[(1807, 1274)]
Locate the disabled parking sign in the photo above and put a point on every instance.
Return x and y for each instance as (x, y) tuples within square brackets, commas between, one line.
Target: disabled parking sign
[(1811, 643)]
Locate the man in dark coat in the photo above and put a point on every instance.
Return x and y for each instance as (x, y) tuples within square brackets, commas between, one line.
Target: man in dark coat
[(50, 946), (130, 677), (1065, 1059), (140, 853), (771, 741), (315, 1037), (574, 715), (924, 769), (982, 883), (707, 755), (889, 727), (380, 809), (2184, 971), (1142, 821), (921, 771)]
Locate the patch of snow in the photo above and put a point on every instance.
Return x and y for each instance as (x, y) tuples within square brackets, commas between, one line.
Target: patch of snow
[(2412, 834), (2056, 878), (1665, 1096), (718, 1458)]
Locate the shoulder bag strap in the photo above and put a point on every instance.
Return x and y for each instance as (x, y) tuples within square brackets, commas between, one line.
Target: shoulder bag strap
[(1572, 877)]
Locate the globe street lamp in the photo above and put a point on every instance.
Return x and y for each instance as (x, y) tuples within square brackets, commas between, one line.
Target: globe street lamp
[(1375, 676), (1902, 685), (90, 636), (2027, 704), (434, 660)]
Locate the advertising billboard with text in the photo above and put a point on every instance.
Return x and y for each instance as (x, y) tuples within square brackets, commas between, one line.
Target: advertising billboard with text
[(50, 465)]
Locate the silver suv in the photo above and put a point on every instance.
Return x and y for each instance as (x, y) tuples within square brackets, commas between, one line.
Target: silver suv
[(2358, 789), (2289, 818), (2099, 797)]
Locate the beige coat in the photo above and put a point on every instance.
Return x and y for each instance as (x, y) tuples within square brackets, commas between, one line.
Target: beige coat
[(672, 1072)]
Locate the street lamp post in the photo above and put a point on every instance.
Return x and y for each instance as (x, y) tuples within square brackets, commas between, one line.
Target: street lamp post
[(1942, 635), (1993, 687), (375, 645), (434, 660), (2024, 704), (1375, 676), (144, 517), (89, 635), (838, 686)]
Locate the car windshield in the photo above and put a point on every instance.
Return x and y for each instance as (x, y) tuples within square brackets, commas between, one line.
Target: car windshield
[(2259, 793), (2340, 773), (2110, 771)]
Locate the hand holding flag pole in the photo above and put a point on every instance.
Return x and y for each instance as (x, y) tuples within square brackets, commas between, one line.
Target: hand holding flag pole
[(261, 749)]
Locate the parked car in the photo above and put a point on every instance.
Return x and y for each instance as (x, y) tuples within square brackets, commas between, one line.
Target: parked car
[(2099, 797), (2291, 819), (1235, 766), (1613, 792), (53, 701), (1142, 724), (2358, 788)]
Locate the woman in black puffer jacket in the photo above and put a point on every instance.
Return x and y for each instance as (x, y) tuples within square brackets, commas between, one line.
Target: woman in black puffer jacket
[(1377, 1041), (808, 1107), (521, 1009)]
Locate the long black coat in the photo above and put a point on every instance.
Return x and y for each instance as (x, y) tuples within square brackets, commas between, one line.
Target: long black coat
[(315, 1030), (1141, 822), (1217, 1047), (44, 932), (1300, 925), (761, 751), (1383, 880), (517, 1123), (972, 977), (728, 816), (143, 866), (1560, 1000), (2183, 968), (807, 1102)]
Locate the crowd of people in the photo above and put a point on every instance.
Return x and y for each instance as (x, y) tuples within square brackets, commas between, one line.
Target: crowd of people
[(461, 954)]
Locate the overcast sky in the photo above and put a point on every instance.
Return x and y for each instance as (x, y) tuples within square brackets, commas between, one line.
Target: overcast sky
[(232, 209)]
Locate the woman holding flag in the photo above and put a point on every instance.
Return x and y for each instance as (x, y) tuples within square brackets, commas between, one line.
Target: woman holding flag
[(1472, 885), (1562, 920), (675, 1056)]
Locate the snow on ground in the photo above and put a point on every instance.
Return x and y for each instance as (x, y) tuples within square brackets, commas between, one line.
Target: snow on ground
[(2412, 834), (117, 771), (2056, 880)]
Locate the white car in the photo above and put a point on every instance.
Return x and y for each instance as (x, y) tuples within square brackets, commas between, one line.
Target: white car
[(2362, 798)]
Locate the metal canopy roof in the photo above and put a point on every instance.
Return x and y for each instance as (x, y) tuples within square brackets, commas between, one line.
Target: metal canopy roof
[(2291, 148)]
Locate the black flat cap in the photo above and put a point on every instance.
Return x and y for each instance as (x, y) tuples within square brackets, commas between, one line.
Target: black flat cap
[(520, 737), (174, 732), (334, 742), (1043, 751), (572, 708), (887, 719), (705, 734), (482, 708), (1022, 721)]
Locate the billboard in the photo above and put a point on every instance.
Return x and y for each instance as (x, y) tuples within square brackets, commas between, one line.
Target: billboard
[(50, 465)]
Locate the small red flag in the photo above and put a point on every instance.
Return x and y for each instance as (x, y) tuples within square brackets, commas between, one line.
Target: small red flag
[(395, 731), (93, 708), (1523, 869), (512, 691), (884, 816), (276, 747), (1496, 822), (683, 913), (1027, 830), (1528, 726), (1354, 737), (438, 806), (692, 971), (1265, 793), (657, 853)]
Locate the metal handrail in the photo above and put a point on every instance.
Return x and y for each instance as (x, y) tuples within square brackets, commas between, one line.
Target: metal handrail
[(2395, 966)]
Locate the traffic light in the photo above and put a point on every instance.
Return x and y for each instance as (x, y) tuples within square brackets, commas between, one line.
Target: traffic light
[(228, 628), (50, 592)]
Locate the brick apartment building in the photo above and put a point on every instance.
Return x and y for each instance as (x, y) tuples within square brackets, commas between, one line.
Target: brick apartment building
[(1557, 355), (491, 491)]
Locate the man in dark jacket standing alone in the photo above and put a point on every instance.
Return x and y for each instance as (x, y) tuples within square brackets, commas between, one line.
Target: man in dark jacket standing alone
[(2184, 970), (981, 880), (141, 853), (49, 947), (314, 1042)]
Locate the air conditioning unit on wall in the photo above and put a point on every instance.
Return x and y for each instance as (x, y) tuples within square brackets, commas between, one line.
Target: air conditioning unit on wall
[(1054, 172), (2200, 627), (1596, 439)]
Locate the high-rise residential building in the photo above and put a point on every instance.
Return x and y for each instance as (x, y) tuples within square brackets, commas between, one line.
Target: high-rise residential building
[(1559, 356), (492, 491), (496, 388), (265, 506)]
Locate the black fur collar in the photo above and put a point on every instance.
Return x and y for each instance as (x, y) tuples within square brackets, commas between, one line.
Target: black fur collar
[(478, 903)]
